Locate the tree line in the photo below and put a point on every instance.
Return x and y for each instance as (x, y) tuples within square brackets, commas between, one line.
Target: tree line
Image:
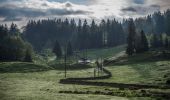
[(57, 34), (81, 34), (156, 23), (139, 42)]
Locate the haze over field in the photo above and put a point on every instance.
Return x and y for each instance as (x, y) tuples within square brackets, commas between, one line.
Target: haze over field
[(20, 11)]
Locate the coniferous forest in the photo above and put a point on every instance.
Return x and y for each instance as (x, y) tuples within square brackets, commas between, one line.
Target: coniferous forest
[(140, 34)]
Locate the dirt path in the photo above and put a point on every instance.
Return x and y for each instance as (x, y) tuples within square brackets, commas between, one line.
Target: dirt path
[(86, 81)]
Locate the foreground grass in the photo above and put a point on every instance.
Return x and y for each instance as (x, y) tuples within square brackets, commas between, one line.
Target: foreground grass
[(43, 85)]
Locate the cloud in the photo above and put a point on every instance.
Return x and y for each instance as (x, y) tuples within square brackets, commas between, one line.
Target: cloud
[(137, 11), (23, 10), (139, 1), (12, 19), (129, 9), (11, 12), (20, 12)]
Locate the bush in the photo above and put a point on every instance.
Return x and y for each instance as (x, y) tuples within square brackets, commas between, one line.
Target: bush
[(168, 82)]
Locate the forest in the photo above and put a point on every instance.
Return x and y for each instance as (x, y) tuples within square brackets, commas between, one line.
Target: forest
[(153, 31)]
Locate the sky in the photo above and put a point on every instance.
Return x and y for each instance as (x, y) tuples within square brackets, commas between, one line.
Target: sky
[(20, 11)]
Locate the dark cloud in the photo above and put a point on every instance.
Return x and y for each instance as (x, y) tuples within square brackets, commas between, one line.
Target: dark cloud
[(129, 9), (62, 12), (139, 1), (156, 6), (14, 13), (82, 2), (2, 1), (140, 10), (12, 19), (24, 12), (44, 4)]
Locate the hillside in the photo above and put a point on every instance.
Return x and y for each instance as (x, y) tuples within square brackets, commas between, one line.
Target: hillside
[(40, 82)]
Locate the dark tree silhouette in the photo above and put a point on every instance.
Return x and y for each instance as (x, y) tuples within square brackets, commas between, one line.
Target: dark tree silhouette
[(57, 49), (144, 42), (131, 38)]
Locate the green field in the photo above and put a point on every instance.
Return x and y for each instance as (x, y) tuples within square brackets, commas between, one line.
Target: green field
[(27, 81), (104, 53)]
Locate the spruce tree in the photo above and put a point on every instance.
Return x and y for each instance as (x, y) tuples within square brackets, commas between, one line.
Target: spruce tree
[(14, 29), (131, 38), (144, 42), (57, 50)]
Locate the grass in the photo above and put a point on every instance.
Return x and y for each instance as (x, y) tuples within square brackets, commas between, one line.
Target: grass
[(142, 68), (28, 81), (19, 67), (105, 53), (43, 85)]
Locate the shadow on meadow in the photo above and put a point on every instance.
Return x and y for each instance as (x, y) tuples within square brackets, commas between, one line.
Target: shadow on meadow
[(147, 57), (19, 67), (70, 67)]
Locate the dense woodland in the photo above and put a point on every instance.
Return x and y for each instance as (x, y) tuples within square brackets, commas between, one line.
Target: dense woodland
[(83, 35), (141, 34), (12, 46)]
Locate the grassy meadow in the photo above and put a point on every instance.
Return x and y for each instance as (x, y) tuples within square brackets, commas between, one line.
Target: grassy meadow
[(35, 81)]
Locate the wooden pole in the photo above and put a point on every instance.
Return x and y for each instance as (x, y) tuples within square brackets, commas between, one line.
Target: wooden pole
[(94, 72)]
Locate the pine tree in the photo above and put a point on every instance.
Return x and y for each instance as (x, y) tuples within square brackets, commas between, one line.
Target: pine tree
[(69, 49), (131, 38), (144, 42), (14, 29), (85, 35), (79, 36), (57, 49), (3, 31), (159, 22)]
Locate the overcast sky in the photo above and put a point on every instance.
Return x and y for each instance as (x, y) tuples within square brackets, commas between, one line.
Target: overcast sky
[(20, 11)]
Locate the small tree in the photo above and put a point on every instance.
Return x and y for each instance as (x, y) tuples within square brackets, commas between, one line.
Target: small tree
[(57, 49), (69, 49)]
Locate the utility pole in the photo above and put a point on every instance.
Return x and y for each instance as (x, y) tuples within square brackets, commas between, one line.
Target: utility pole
[(94, 72)]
